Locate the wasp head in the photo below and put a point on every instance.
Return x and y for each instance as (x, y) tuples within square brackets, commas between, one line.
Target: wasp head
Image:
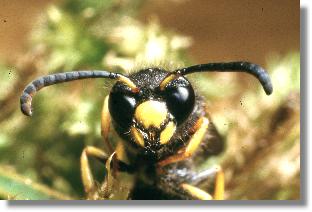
[(151, 115)]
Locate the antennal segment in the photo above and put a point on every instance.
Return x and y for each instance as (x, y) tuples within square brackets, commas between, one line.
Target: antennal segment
[(41, 82), (247, 67)]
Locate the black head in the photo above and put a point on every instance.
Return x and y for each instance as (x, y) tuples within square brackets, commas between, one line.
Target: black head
[(151, 116)]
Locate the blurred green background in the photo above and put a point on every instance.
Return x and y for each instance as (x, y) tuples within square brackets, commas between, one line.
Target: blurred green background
[(39, 156)]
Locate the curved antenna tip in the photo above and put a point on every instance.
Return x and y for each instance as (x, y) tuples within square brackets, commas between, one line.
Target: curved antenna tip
[(26, 109), (268, 88), (269, 91)]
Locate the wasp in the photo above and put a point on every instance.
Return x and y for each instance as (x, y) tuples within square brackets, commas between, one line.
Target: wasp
[(164, 127)]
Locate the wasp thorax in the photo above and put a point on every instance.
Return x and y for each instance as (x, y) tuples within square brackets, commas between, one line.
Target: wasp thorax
[(153, 124)]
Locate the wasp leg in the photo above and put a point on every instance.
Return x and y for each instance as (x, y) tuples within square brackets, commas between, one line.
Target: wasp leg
[(218, 175), (107, 186), (200, 129), (180, 181), (219, 185), (105, 125), (195, 192), (200, 194), (86, 173)]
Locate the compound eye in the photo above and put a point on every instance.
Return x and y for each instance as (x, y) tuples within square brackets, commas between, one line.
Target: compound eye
[(180, 101), (121, 107)]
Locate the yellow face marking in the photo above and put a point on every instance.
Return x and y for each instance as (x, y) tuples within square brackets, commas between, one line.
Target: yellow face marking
[(166, 81), (138, 137), (196, 192), (151, 113), (167, 133)]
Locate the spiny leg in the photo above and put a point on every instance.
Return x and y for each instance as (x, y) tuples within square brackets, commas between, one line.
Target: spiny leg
[(86, 173)]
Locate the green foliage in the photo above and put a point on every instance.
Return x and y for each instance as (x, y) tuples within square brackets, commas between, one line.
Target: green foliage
[(15, 187)]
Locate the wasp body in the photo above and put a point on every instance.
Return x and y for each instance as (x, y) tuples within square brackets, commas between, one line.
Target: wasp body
[(165, 129)]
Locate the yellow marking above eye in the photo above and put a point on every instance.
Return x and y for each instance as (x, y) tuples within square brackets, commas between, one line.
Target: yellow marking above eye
[(167, 80), (138, 137), (151, 113), (128, 82), (167, 133)]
